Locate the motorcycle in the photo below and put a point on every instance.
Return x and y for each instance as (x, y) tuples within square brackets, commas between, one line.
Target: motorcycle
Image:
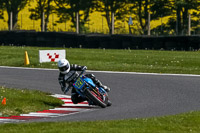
[(86, 88)]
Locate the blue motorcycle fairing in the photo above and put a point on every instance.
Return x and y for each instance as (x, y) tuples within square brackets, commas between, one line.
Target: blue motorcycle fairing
[(89, 80), (101, 90), (80, 83)]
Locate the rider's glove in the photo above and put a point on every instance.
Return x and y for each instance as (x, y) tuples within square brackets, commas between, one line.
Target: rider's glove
[(84, 68)]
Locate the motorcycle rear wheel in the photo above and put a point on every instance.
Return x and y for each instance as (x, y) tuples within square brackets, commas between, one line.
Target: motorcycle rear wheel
[(96, 99)]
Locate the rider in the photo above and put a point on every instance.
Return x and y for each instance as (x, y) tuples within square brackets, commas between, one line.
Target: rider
[(68, 73)]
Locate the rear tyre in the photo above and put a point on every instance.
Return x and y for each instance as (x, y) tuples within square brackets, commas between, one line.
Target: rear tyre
[(96, 98)]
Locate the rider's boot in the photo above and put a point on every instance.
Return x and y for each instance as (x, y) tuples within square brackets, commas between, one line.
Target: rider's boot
[(99, 84), (75, 97), (109, 103), (106, 88)]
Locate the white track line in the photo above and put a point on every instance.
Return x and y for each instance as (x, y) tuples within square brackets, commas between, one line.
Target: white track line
[(117, 72), (69, 109), (61, 96), (76, 105), (9, 120), (66, 100), (42, 114)]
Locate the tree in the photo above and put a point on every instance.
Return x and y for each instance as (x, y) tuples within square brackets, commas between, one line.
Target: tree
[(1, 11), (43, 7), (107, 7), (69, 9), (181, 8), (14, 6), (178, 12), (157, 9)]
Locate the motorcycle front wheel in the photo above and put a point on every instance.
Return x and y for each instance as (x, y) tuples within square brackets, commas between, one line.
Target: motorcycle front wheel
[(97, 98)]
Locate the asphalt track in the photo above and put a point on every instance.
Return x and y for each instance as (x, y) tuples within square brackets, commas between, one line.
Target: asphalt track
[(134, 95)]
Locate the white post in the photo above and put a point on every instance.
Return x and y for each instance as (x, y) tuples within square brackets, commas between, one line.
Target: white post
[(65, 25), (113, 23), (52, 22), (161, 25), (33, 24), (77, 22), (189, 24), (149, 25), (11, 21), (102, 24), (177, 25), (21, 21), (43, 21)]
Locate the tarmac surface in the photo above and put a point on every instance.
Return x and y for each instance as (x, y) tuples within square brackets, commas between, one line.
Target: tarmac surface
[(134, 95)]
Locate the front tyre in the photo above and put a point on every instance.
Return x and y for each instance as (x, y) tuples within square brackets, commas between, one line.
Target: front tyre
[(97, 98)]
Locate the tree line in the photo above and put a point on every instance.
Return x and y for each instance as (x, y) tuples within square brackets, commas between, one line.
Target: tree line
[(71, 10)]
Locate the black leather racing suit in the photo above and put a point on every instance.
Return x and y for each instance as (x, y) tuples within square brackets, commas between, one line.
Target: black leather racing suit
[(69, 79)]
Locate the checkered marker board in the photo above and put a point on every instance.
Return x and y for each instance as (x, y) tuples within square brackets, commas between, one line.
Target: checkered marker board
[(51, 55), (68, 108)]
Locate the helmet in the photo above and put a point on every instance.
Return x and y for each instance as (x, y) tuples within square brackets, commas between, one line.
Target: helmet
[(64, 66)]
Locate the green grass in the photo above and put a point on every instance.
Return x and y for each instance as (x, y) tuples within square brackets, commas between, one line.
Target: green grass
[(183, 123), (183, 62), (20, 101)]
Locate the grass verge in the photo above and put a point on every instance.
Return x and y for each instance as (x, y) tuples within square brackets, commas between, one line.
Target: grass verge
[(24, 101), (183, 123), (185, 62)]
